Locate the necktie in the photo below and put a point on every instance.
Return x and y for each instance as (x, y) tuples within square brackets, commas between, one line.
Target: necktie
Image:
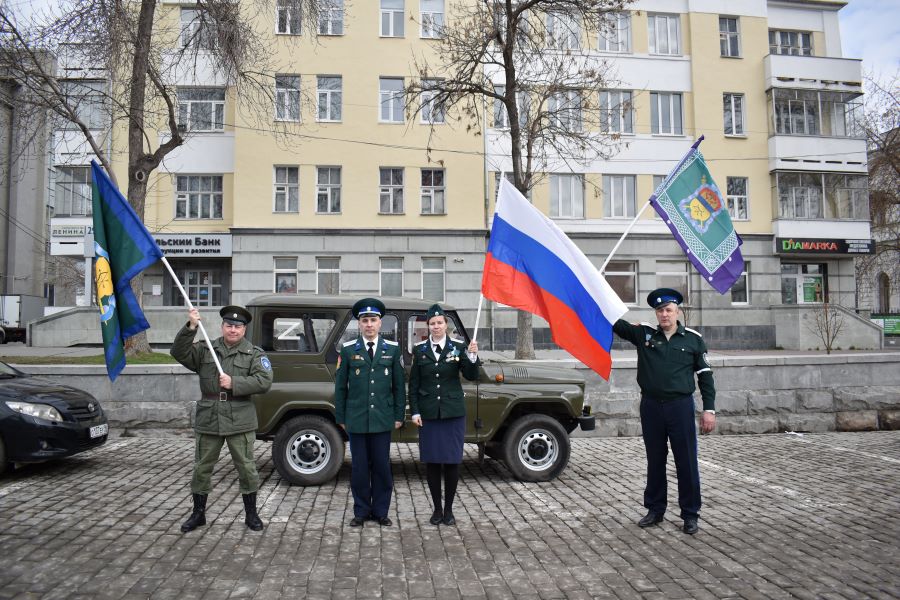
[(371, 349), (437, 349)]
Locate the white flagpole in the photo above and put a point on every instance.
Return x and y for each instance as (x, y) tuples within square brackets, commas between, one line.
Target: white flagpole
[(478, 317), (190, 307), (622, 239)]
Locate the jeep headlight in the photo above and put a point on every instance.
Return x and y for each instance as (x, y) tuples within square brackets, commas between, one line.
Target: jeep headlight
[(40, 411)]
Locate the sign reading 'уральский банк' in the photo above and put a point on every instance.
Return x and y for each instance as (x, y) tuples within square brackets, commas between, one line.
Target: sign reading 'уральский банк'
[(823, 246)]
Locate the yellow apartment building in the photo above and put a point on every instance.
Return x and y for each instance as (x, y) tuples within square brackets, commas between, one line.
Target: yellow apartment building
[(353, 195)]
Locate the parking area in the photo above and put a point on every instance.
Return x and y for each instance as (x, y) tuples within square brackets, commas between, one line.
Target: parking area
[(812, 516)]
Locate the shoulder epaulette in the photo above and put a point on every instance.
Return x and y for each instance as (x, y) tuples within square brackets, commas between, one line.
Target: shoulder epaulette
[(258, 348), (350, 343), (456, 341), (646, 324), (391, 343), (420, 343), (694, 331)]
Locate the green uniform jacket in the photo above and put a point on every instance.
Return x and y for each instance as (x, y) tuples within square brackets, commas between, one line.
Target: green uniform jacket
[(435, 391), (666, 368), (251, 373), (369, 394)]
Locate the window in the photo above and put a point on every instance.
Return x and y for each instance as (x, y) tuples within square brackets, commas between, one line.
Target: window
[(328, 190), (433, 279), (501, 115), (740, 291), (657, 181), (618, 193), (328, 275), (615, 32), (286, 275), (673, 274), (622, 278), (391, 276), (729, 37), (567, 196), (287, 97), (432, 110), (803, 284), (88, 100), (201, 109), (563, 31), (198, 197), (390, 329), (565, 110), (733, 107), (737, 199), (331, 17), (665, 37), (390, 91), (391, 18), (197, 30), (290, 331), (417, 330), (287, 17), (390, 191), (287, 189), (73, 192), (797, 43), (433, 192), (799, 195), (796, 112), (432, 18), (330, 97), (510, 178), (665, 113), (846, 196), (204, 288), (616, 111)]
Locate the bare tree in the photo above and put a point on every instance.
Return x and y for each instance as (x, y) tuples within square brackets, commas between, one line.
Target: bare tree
[(139, 55), (881, 125), (827, 323), (524, 63)]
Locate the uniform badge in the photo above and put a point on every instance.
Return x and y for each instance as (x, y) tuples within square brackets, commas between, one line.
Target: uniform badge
[(264, 361), (385, 372), (357, 371)]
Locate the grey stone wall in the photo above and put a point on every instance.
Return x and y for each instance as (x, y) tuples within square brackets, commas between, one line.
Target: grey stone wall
[(755, 394)]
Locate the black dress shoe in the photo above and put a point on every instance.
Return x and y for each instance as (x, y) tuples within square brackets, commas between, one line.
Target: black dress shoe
[(436, 517), (650, 519), (384, 521), (690, 526), (357, 522), (448, 519)]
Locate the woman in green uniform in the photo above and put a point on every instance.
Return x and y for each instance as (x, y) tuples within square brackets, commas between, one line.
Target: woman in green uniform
[(438, 407)]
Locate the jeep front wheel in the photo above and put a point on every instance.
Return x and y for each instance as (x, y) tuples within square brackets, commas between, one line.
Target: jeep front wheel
[(536, 448), (308, 450)]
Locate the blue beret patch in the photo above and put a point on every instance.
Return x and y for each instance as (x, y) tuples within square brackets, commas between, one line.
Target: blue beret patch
[(264, 361)]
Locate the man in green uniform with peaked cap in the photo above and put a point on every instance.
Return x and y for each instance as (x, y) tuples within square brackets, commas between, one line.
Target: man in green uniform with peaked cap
[(225, 412)]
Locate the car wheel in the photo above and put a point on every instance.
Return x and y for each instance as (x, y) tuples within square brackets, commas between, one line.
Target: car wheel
[(308, 450), (536, 448)]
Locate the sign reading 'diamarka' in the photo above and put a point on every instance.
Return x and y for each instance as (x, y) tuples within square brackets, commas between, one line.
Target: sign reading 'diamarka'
[(823, 246), (194, 244)]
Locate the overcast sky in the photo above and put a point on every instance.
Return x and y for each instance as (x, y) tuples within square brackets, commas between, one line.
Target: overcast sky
[(870, 30)]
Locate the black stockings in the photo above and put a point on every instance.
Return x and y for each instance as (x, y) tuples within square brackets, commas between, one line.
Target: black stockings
[(451, 478)]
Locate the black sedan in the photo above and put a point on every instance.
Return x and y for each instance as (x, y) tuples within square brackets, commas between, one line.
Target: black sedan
[(40, 419)]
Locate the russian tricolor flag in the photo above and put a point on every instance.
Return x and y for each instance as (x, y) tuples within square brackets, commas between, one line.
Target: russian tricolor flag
[(532, 265)]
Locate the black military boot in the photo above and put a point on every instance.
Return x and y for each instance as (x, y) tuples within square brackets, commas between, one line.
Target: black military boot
[(198, 515), (251, 519)]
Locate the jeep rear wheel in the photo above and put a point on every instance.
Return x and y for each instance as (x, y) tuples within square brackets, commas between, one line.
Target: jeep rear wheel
[(308, 450), (536, 448)]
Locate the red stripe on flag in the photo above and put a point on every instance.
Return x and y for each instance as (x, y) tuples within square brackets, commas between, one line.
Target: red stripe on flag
[(502, 283)]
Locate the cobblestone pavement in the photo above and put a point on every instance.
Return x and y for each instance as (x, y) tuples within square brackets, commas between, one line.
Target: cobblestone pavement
[(814, 516)]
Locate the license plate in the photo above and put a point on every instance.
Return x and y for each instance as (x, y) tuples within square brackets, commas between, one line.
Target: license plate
[(98, 430)]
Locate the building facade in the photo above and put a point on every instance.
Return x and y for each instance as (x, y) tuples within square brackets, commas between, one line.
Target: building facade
[(345, 191)]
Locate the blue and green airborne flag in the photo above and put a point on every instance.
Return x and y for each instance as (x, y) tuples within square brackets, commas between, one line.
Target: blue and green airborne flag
[(693, 207), (123, 248)]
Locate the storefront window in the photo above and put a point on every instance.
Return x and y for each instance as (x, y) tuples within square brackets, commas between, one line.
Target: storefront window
[(204, 288), (803, 284)]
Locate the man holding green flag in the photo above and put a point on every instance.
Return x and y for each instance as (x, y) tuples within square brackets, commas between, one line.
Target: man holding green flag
[(123, 248)]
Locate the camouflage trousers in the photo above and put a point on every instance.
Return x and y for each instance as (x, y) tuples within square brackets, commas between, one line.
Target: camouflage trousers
[(206, 454)]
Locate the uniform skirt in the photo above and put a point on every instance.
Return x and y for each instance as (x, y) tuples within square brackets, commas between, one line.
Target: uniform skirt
[(441, 440)]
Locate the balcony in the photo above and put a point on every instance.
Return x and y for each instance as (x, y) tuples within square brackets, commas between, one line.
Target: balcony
[(817, 153), (813, 72)]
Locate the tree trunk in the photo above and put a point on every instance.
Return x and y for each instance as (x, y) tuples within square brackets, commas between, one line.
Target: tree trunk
[(524, 336), (137, 344)]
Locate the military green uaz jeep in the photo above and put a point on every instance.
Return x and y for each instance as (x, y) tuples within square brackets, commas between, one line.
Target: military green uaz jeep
[(517, 413)]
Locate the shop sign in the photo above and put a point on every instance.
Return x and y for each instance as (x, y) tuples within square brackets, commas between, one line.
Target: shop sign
[(194, 244), (823, 246), (890, 323), (70, 230)]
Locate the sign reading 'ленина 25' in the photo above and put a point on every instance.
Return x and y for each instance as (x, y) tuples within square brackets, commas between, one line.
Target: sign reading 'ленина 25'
[(823, 246), (194, 244)]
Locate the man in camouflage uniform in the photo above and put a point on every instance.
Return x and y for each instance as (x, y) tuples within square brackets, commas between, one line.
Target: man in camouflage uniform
[(225, 412)]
